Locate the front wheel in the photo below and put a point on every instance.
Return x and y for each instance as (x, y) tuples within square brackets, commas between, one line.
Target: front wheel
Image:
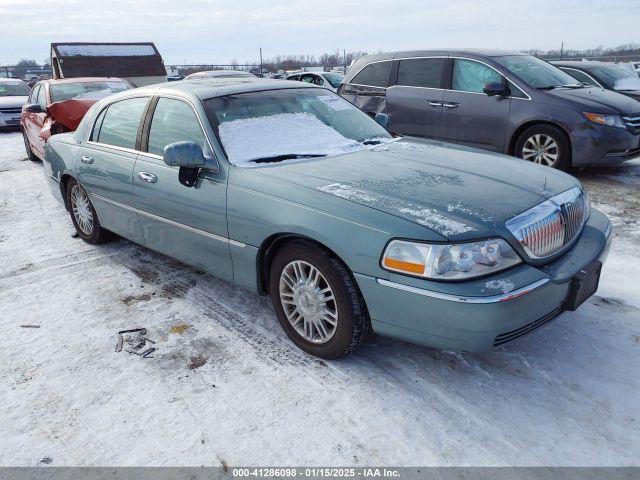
[(83, 215), (546, 145), (317, 301), (30, 155)]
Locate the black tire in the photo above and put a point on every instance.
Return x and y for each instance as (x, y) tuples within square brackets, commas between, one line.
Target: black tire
[(30, 155), (96, 234), (353, 326), (563, 161)]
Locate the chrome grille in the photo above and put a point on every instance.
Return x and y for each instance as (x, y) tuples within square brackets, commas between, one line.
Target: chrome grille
[(632, 122), (547, 228)]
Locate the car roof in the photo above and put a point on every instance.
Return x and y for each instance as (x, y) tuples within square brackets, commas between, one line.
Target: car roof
[(56, 81), (443, 52), (10, 80), (205, 88), (580, 63), (221, 73)]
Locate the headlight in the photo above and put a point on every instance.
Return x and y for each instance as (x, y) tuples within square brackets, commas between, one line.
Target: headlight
[(449, 261), (608, 120)]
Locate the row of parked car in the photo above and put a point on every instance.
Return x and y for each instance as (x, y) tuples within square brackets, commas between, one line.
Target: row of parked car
[(289, 190), (560, 114)]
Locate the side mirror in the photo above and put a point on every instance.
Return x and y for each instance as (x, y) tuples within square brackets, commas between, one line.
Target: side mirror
[(189, 157), (34, 108), (382, 119), (494, 89)]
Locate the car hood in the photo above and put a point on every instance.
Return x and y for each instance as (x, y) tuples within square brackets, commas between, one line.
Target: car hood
[(12, 102), (70, 112), (597, 99), (635, 94), (455, 191)]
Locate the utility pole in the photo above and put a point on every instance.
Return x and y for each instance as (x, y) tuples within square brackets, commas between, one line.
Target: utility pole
[(561, 49), (261, 61), (344, 59)]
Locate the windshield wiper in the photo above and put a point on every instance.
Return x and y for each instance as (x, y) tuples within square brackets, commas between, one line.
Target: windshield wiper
[(287, 156), (570, 85)]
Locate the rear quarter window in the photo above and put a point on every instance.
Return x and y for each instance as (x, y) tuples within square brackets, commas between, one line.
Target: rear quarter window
[(374, 75)]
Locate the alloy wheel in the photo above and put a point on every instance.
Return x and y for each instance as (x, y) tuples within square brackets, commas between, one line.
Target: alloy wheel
[(542, 149), (308, 302), (81, 209)]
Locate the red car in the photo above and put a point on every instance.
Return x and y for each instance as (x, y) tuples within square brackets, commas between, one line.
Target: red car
[(57, 106)]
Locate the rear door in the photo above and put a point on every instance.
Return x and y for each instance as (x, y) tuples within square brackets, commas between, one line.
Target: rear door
[(105, 165), (470, 116), (414, 103), (189, 224)]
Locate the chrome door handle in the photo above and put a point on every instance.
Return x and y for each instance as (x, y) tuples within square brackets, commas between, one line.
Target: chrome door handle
[(433, 103), (450, 105), (147, 177), (86, 159)]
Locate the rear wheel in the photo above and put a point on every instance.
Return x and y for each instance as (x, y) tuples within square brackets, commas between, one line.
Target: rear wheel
[(83, 215), (546, 145), (317, 301), (30, 155)]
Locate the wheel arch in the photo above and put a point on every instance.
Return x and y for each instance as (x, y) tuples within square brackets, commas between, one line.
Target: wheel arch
[(270, 247), (521, 128), (64, 180)]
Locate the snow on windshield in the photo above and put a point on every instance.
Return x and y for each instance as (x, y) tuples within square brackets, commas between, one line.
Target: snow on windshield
[(628, 83), (248, 139)]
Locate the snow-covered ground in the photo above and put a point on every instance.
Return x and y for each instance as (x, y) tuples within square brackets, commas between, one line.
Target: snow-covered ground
[(226, 385)]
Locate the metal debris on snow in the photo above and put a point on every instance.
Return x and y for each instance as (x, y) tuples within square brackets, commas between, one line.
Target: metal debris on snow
[(136, 341)]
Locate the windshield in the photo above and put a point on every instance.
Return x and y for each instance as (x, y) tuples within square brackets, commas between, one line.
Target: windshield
[(334, 79), (86, 90), (14, 89), (617, 78), (536, 72), (290, 123)]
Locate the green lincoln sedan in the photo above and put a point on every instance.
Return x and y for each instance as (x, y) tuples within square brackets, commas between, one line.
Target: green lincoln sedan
[(288, 190)]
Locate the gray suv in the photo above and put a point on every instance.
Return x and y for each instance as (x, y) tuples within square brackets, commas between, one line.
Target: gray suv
[(502, 101)]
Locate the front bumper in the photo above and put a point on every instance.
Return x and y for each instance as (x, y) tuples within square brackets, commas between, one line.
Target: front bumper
[(603, 146), (9, 119), (483, 313)]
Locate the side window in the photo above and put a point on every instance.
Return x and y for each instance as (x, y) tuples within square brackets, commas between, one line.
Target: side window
[(318, 80), (121, 121), (374, 75), (33, 98), (471, 76), (173, 121), (42, 99), (421, 72), (307, 78), (580, 76)]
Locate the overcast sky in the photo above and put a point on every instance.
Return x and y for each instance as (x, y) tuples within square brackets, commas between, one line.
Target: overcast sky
[(212, 31)]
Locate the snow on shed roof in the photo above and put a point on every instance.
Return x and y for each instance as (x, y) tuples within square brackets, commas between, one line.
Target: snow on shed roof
[(104, 49)]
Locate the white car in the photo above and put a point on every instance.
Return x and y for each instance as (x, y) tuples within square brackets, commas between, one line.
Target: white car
[(13, 94), (330, 80)]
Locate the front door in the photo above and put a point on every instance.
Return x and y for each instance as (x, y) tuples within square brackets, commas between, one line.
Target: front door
[(35, 121), (470, 116), (187, 223), (414, 104), (105, 166)]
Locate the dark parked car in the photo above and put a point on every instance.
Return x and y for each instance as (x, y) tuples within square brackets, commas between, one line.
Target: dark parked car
[(502, 101), (604, 75)]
